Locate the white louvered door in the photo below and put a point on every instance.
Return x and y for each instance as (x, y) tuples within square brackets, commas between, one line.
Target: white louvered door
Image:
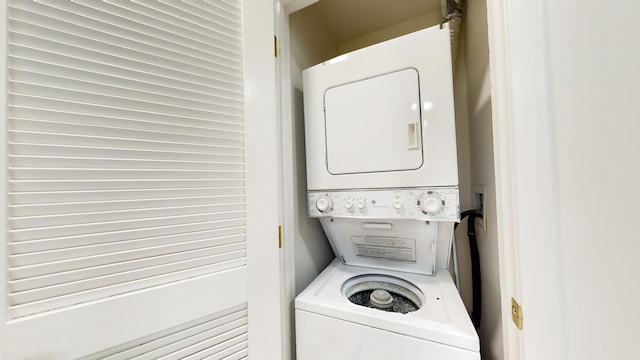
[(126, 180)]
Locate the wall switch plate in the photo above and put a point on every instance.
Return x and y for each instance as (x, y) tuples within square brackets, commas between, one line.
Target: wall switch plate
[(479, 202)]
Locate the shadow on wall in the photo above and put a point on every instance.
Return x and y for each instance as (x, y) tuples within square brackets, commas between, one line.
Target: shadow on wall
[(312, 250)]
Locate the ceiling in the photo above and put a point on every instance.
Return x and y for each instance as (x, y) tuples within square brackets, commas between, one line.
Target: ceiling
[(349, 19)]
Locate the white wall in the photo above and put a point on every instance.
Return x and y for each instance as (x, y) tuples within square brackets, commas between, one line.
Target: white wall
[(573, 85), (593, 55)]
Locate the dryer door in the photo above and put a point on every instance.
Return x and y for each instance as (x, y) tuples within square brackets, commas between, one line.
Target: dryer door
[(373, 125)]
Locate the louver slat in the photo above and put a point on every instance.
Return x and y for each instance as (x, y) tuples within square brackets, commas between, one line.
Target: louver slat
[(112, 185), (126, 153), (158, 133), (40, 198), (219, 336)]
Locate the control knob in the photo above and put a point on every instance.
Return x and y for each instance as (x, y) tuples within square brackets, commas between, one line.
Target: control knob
[(361, 203), (430, 203), (323, 203), (397, 204)]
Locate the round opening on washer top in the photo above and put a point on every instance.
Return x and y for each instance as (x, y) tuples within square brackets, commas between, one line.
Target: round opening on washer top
[(383, 292)]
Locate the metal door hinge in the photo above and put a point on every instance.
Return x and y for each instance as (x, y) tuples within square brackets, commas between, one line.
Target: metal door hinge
[(280, 237), (516, 313), (275, 46)]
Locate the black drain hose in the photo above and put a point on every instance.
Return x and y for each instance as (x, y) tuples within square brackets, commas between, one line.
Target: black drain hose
[(475, 264)]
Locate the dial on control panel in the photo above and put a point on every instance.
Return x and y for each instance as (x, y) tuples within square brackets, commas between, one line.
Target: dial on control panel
[(397, 204), (430, 203), (323, 203)]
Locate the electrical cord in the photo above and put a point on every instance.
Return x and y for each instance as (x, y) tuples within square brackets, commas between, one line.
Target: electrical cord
[(476, 311)]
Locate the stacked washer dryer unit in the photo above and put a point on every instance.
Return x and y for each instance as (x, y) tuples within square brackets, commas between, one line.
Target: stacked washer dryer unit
[(382, 178)]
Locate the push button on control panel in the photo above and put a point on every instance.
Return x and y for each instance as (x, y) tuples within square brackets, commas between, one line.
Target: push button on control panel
[(348, 203)]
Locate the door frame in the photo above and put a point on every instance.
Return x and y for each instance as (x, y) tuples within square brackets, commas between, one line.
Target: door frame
[(506, 206), (285, 103), (526, 176), (264, 200)]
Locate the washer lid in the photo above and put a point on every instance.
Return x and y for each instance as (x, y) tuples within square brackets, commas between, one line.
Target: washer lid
[(401, 245)]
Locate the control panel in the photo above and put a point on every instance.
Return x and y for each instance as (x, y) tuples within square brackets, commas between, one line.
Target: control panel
[(432, 204)]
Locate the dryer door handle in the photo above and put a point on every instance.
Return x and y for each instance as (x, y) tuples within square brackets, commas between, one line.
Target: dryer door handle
[(412, 135)]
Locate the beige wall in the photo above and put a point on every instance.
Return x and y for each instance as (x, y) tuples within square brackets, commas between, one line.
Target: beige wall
[(419, 22), (476, 49), (310, 43)]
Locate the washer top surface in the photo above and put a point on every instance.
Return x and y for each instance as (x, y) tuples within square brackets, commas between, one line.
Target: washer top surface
[(441, 316)]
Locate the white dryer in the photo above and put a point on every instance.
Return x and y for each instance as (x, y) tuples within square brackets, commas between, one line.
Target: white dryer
[(382, 178), (383, 116)]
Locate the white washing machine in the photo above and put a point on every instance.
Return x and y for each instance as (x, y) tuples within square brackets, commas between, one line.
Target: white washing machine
[(329, 326), (388, 294), (382, 179)]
